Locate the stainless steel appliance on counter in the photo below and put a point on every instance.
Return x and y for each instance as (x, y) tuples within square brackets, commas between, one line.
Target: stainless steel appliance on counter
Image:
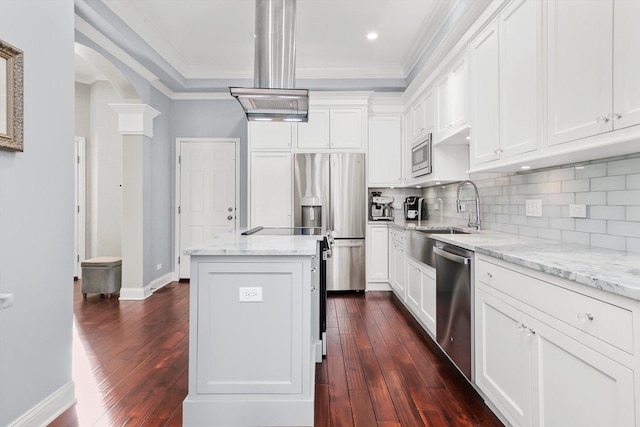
[(333, 186), (454, 311), (380, 207)]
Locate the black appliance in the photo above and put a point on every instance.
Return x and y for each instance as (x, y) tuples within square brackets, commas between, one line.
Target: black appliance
[(415, 209)]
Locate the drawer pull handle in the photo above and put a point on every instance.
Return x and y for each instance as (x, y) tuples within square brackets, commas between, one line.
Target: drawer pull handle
[(585, 316)]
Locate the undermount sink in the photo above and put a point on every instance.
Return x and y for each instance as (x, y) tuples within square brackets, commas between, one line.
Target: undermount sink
[(420, 245)]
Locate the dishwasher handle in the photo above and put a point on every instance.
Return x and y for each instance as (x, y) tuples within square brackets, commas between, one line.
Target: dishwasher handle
[(453, 257)]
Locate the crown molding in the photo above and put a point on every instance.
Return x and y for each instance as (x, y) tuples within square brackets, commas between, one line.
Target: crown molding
[(135, 119)]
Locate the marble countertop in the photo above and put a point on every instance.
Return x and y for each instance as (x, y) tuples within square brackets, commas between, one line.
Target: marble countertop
[(612, 271), (236, 244)]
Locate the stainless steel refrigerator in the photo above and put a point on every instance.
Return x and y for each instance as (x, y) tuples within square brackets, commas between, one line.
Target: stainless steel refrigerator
[(330, 192)]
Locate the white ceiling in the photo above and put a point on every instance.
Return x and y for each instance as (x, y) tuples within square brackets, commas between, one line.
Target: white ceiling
[(205, 39)]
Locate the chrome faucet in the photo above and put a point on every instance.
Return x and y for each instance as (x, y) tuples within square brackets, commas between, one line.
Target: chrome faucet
[(475, 223)]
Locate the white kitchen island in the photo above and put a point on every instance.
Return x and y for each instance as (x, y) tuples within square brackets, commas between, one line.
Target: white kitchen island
[(253, 339)]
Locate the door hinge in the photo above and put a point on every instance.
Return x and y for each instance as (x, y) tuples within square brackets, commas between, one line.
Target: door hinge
[(179, 160), (78, 208), (178, 210), (78, 159), (78, 256), (178, 260)]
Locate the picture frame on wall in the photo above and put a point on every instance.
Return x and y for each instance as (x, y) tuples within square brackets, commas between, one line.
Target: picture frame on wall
[(11, 98)]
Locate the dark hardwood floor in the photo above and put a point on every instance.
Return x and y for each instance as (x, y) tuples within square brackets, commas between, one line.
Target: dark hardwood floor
[(131, 357)]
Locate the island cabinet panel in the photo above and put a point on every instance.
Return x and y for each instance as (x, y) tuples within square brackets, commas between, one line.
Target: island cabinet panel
[(266, 335)]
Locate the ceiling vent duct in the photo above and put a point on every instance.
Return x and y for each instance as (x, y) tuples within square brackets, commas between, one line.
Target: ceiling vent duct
[(274, 97)]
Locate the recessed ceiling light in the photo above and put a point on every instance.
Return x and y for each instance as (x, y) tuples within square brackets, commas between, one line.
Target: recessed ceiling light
[(417, 186), (468, 138), (579, 167), (437, 182), (525, 167), (372, 36)]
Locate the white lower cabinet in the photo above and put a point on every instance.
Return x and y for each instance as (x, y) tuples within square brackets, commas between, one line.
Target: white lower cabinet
[(540, 371), (421, 293), (378, 253), (397, 263)]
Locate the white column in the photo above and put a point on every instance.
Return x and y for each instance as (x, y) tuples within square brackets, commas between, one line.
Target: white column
[(135, 124)]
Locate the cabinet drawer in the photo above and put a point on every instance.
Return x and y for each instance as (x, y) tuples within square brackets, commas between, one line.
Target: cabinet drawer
[(397, 235), (607, 322)]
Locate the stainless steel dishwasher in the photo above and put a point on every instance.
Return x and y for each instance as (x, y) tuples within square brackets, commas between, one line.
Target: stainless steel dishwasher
[(454, 316)]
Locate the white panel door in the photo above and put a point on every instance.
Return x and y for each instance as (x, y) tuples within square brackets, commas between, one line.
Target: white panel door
[(385, 150), (428, 298), (484, 96), (580, 69), (378, 253), (626, 66), (207, 193), (577, 386), (271, 189), (503, 356), (315, 132), (346, 128), (520, 76)]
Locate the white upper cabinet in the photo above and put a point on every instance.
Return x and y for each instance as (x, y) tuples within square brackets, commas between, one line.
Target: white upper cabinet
[(271, 189), (626, 64), (268, 135), (315, 132), (505, 79), (580, 69), (385, 151), (345, 128), (594, 68), (327, 128), (422, 117), (452, 93)]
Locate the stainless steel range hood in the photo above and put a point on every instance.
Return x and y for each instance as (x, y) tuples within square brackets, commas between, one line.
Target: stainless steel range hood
[(274, 97)]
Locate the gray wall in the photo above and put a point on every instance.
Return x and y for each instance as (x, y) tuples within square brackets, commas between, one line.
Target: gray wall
[(609, 187), (36, 211), (83, 109), (214, 119)]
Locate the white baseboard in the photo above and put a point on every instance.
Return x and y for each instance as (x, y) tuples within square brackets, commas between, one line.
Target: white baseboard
[(378, 286), (134, 294), (49, 409), (160, 282)]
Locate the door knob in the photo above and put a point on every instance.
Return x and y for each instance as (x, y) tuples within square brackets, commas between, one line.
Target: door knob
[(230, 209), (229, 217)]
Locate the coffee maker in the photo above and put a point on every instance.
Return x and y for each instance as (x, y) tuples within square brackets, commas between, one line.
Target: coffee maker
[(415, 208), (380, 207)]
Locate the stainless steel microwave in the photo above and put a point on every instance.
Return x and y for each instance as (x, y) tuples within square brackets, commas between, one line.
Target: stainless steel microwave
[(421, 157)]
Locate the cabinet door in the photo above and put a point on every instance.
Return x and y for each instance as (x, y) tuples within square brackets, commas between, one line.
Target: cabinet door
[(414, 286), (520, 77), (443, 109), (345, 128), (264, 135), (385, 150), (271, 189), (399, 266), (428, 299), (392, 262), (577, 386), (626, 65), (418, 125), (580, 69), (378, 253), (315, 132), (484, 97), (503, 362), (459, 92)]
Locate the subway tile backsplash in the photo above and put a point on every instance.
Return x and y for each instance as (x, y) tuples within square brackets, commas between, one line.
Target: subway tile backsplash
[(609, 187)]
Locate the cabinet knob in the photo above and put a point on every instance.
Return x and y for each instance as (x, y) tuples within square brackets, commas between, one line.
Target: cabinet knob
[(489, 275), (602, 119), (531, 332), (229, 217), (314, 269), (521, 326), (583, 317), (615, 116)]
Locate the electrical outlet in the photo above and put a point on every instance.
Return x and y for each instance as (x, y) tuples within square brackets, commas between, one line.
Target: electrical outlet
[(6, 301), (436, 207), (159, 267), (578, 211), (534, 207), (463, 207), (250, 295)]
